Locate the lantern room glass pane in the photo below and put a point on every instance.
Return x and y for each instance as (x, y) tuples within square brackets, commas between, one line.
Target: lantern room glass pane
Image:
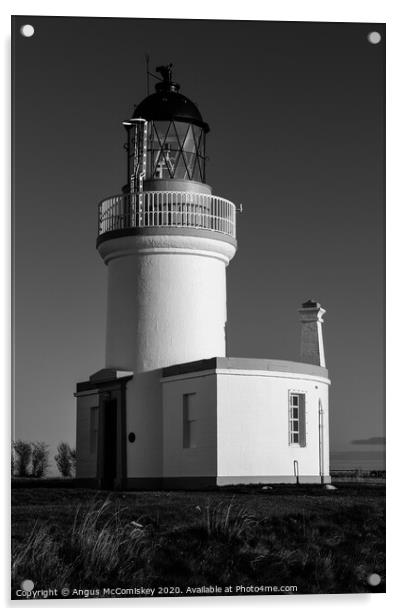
[(175, 150), (181, 129), (188, 141)]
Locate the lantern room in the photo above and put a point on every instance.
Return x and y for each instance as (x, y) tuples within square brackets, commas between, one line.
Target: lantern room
[(165, 175), (166, 136)]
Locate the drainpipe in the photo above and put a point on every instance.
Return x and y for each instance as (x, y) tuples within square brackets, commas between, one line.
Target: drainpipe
[(296, 470), (321, 439)]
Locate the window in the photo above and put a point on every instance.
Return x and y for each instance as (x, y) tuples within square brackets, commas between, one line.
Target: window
[(93, 429), (297, 419), (189, 421), (176, 150)]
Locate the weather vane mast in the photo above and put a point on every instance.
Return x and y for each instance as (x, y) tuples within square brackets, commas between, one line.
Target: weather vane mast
[(166, 72)]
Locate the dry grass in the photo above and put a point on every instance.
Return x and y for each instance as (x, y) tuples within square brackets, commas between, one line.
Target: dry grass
[(97, 546), (226, 521), (323, 542)]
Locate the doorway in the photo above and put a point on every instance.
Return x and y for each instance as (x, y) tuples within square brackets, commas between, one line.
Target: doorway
[(107, 459)]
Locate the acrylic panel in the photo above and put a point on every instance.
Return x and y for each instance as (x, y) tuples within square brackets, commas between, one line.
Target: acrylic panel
[(198, 240)]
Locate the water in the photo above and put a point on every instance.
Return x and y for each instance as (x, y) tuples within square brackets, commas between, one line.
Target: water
[(365, 460)]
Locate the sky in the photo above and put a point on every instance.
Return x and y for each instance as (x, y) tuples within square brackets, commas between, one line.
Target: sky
[(296, 112)]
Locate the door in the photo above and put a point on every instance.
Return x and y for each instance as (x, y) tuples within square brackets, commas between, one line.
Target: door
[(108, 444)]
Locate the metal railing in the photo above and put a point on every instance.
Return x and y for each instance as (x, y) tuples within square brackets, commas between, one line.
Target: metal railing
[(167, 209)]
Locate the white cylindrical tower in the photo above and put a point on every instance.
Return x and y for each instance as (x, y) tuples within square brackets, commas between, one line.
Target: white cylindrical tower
[(166, 241)]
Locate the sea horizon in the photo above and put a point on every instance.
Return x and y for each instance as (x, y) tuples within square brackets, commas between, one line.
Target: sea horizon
[(365, 460)]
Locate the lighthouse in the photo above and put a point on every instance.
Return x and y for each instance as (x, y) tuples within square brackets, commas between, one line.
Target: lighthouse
[(166, 241), (168, 408)]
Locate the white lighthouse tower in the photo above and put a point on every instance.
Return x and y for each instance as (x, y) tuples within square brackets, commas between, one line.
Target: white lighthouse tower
[(169, 409), (166, 241)]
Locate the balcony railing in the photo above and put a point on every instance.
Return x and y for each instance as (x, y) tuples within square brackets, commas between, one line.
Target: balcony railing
[(167, 209)]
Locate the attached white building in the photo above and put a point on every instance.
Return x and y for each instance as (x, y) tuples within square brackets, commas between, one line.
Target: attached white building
[(169, 409)]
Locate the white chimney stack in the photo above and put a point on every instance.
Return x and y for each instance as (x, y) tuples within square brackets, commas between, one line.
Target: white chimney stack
[(312, 344)]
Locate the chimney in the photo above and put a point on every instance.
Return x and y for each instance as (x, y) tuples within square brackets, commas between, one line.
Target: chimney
[(312, 344)]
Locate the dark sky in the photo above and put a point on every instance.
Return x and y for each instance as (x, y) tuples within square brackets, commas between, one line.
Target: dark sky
[(296, 112)]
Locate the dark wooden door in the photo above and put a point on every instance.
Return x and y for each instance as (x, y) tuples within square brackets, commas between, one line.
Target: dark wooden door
[(108, 451)]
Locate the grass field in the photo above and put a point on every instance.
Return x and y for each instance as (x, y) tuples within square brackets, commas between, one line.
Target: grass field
[(320, 541)]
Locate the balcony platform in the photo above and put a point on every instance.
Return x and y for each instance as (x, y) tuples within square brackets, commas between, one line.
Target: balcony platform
[(131, 212)]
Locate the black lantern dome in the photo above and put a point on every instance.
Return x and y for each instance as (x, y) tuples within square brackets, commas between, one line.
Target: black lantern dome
[(168, 104)]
